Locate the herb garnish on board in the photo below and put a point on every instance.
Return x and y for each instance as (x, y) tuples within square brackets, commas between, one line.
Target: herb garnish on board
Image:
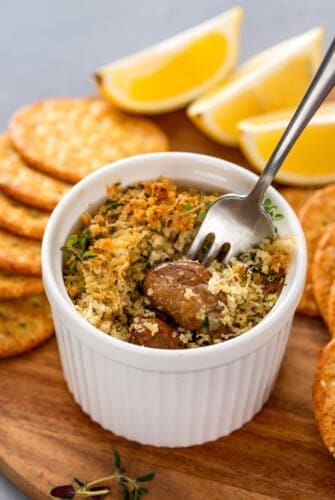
[(99, 489)]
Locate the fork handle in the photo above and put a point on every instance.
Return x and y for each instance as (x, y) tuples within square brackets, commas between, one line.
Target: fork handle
[(321, 85)]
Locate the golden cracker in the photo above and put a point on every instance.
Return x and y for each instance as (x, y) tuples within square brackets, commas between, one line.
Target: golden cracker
[(13, 286), (331, 310), (70, 138), (296, 197), (25, 184), (19, 255), (324, 395), (21, 219), (315, 216), (323, 270), (24, 324)]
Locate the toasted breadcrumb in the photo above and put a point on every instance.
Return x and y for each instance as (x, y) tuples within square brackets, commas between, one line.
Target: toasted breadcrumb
[(145, 224)]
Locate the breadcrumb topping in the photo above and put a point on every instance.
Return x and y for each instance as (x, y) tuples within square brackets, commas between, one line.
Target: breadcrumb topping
[(148, 223)]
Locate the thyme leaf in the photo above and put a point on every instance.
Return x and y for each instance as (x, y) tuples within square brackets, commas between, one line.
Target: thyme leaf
[(271, 209), (117, 459), (146, 477)]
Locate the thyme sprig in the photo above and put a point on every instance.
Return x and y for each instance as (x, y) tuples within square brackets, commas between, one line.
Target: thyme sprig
[(271, 209), (76, 248), (99, 489)]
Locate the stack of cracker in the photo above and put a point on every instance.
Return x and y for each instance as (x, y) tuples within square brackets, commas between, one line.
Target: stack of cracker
[(316, 210), (49, 146)]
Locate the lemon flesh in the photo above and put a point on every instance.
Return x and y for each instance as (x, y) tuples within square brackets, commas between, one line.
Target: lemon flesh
[(273, 80), (169, 75), (311, 160), (157, 85)]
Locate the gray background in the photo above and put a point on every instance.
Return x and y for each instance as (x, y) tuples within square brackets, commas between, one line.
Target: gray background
[(50, 48)]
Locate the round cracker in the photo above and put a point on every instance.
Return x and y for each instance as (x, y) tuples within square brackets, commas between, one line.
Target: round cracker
[(19, 255), (13, 286), (315, 216), (331, 309), (323, 270), (324, 395), (71, 138), (296, 197), (24, 323), (25, 184), (20, 219)]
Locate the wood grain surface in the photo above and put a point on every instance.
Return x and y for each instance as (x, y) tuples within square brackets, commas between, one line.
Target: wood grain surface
[(46, 440)]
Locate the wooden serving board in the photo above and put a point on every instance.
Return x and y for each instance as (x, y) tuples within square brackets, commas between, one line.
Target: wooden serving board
[(46, 440)]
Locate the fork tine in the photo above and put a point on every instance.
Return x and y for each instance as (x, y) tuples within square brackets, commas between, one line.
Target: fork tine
[(229, 254), (212, 252), (197, 243)]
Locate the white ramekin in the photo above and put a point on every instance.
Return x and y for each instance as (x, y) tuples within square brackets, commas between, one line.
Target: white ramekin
[(168, 397)]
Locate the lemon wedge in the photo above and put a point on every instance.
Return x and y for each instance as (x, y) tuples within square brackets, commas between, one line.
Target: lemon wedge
[(274, 79), (170, 74), (311, 160)]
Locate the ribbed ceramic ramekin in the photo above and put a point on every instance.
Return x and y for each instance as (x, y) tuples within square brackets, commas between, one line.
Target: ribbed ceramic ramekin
[(168, 397)]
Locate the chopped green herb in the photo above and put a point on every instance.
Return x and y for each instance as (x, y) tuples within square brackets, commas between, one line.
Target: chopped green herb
[(205, 323), (187, 206), (201, 215), (113, 203), (88, 254)]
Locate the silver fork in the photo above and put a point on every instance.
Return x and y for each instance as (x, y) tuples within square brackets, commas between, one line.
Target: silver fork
[(241, 221)]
